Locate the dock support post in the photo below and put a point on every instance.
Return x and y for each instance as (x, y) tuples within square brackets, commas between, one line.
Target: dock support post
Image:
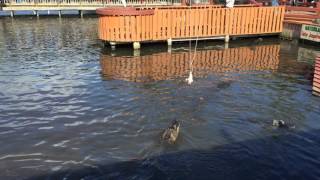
[(34, 12), (37, 12), (113, 45), (136, 45), (48, 12), (227, 39), (136, 52), (169, 41), (11, 14), (59, 13), (81, 13)]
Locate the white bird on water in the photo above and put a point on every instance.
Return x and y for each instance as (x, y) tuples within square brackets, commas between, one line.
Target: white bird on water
[(190, 78)]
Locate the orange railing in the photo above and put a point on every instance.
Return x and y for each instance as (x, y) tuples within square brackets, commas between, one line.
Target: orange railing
[(316, 78), (164, 65), (191, 22), (301, 15)]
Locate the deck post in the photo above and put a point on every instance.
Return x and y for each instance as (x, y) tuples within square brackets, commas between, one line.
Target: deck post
[(136, 52), (169, 41), (11, 14), (34, 12), (81, 13), (227, 39), (226, 45), (37, 12), (113, 45), (136, 45), (59, 13), (48, 12)]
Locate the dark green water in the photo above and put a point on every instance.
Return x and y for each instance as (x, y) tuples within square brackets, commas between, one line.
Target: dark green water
[(70, 109)]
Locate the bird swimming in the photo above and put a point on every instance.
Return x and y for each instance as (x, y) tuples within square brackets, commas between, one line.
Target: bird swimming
[(170, 135), (282, 124), (255, 43)]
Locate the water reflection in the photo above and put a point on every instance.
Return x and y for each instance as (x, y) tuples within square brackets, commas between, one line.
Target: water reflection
[(165, 66)]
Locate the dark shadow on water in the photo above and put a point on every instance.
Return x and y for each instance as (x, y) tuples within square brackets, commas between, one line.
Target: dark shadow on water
[(283, 155)]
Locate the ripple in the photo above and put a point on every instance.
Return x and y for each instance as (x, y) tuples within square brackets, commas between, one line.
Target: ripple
[(20, 155)]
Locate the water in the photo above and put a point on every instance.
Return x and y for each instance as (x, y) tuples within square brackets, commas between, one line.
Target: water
[(71, 109)]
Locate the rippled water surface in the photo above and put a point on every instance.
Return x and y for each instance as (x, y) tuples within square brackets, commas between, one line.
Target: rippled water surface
[(71, 109)]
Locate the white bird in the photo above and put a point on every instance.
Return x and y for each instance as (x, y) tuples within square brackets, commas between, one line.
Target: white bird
[(124, 3), (190, 78)]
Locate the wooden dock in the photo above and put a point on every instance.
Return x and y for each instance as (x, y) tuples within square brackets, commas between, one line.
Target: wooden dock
[(178, 23), (297, 17), (316, 77), (14, 6)]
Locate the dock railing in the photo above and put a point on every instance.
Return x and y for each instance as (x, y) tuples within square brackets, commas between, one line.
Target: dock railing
[(101, 3), (301, 15), (191, 22), (316, 77)]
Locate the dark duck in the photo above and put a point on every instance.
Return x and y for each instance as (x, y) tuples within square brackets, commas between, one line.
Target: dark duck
[(170, 135), (282, 124)]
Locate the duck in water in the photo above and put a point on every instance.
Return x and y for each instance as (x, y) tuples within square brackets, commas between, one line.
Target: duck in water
[(255, 43), (170, 134), (282, 124)]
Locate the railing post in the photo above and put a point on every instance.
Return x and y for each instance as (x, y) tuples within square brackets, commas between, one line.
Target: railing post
[(136, 45), (227, 24)]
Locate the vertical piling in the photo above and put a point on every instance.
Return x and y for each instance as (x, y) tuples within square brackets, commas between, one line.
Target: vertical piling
[(227, 39), (136, 52), (113, 45), (81, 13), (11, 14), (59, 13), (136, 45), (169, 41)]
